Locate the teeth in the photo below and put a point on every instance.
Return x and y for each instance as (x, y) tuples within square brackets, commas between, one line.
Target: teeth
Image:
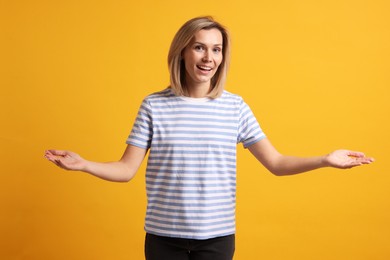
[(204, 68)]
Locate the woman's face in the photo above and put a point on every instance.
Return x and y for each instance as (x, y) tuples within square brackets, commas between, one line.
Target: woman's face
[(202, 57)]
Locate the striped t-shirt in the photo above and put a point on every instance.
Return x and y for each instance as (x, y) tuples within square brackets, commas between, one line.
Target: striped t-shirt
[(191, 169)]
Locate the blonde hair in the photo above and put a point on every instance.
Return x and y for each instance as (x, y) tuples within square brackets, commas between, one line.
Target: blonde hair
[(180, 42)]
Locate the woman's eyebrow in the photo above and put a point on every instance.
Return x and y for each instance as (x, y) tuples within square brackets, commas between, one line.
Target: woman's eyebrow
[(201, 43)]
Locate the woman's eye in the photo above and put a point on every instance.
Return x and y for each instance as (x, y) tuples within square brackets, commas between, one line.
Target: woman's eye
[(217, 50), (199, 48)]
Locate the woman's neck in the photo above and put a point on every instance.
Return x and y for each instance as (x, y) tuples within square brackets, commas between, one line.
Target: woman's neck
[(198, 91)]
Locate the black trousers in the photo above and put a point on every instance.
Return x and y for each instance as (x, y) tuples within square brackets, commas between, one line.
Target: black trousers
[(168, 248)]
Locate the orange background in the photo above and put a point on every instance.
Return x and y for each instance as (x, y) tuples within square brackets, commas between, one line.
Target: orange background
[(73, 74)]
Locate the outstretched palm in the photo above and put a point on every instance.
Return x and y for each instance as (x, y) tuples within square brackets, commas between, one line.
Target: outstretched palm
[(345, 159), (66, 159)]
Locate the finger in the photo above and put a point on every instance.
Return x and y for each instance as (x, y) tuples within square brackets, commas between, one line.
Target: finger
[(57, 152), (61, 164), (352, 164), (54, 161), (50, 156), (366, 160), (355, 154), (361, 161), (48, 153)]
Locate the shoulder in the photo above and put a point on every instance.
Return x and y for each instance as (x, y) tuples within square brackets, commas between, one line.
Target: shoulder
[(163, 94), (236, 100), (228, 97), (159, 97)]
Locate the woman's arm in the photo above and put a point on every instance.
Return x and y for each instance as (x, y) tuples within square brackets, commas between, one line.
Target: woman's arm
[(281, 165), (121, 171)]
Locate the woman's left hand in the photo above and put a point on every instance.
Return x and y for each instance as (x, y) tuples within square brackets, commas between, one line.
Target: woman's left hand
[(345, 159)]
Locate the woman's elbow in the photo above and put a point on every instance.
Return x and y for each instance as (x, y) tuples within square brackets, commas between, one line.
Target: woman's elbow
[(277, 172), (127, 175)]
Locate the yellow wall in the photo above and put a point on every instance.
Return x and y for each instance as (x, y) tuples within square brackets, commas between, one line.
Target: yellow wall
[(73, 73)]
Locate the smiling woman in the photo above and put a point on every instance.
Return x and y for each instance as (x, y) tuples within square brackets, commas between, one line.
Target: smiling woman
[(202, 58), (195, 34), (192, 130)]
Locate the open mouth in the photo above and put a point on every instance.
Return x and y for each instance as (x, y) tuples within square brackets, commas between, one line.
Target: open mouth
[(204, 68)]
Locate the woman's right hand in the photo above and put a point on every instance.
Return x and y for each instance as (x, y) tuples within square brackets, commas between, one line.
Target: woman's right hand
[(66, 160), (118, 171)]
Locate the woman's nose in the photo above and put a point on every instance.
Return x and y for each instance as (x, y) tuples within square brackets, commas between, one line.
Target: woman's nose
[(207, 57)]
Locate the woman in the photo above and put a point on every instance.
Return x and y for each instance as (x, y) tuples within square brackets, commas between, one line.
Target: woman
[(191, 130)]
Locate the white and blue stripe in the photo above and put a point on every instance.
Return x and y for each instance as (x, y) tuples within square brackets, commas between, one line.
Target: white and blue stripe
[(191, 170)]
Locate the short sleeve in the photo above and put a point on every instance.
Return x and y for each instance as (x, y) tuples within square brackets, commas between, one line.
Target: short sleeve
[(249, 130), (142, 131)]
